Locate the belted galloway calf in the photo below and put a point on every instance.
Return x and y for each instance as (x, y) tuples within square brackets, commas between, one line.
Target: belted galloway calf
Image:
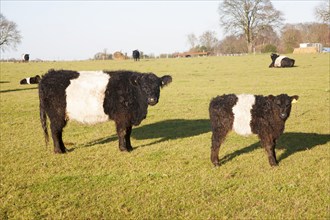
[(249, 114), (97, 96)]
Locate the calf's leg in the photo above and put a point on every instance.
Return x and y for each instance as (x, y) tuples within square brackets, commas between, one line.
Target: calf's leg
[(269, 144), (124, 137), (128, 138)]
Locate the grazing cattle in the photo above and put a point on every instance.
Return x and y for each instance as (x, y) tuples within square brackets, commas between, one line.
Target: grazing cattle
[(31, 80), (136, 55), (281, 61), (25, 57), (249, 114), (97, 96)]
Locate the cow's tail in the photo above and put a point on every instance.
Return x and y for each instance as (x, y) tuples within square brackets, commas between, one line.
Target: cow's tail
[(43, 116), (31, 80)]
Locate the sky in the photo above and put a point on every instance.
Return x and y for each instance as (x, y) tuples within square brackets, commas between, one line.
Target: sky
[(77, 30)]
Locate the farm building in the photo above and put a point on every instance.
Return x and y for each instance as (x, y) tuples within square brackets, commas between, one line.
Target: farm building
[(308, 48)]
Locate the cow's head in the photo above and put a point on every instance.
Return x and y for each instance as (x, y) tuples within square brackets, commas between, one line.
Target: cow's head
[(150, 85), (282, 104), (273, 56)]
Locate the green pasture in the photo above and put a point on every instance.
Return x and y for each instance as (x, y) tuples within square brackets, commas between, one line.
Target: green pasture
[(169, 174)]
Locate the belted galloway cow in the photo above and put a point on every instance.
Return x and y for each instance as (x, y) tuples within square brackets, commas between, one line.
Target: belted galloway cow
[(281, 61), (97, 96)]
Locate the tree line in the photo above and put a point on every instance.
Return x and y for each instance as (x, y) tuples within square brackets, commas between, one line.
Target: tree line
[(256, 26), (288, 38)]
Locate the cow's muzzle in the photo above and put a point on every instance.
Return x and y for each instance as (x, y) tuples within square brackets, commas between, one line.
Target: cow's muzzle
[(152, 101)]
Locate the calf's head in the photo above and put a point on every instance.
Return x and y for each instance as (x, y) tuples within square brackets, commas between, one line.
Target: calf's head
[(150, 85), (282, 104)]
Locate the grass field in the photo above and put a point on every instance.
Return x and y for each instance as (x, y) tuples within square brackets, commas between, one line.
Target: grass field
[(169, 174)]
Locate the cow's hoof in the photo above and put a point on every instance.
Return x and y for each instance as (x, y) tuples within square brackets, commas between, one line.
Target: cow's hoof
[(274, 165), (216, 164), (125, 149), (59, 151)]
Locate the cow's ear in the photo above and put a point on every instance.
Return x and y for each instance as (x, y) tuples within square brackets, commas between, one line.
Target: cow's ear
[(294, 99), (135, 80), (165, 80)]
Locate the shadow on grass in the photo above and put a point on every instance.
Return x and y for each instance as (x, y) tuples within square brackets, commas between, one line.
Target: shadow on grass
[(101, 141), (163, 130), (290, 142), (171, 130), (17, 90)]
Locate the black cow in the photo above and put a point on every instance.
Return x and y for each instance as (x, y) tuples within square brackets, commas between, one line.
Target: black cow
[(281, 61), (136, 55), (249, 114), (25, 57), (91, 97)]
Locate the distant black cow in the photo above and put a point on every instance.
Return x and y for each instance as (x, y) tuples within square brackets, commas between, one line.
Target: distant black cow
[(91, 97), (281, 61), (25, 57), (249, 114), (136, 55)]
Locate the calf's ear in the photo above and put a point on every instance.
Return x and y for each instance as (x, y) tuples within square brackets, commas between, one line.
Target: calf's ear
[(165, 80), (294, 99)]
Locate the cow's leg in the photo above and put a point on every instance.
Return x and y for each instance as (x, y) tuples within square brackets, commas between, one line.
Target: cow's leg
[(121, 132), (218, 137), (128, 138), (57, 129), (269, 144)]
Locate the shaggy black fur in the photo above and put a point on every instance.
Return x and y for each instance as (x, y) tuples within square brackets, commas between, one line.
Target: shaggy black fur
[(32, 80), (128, 95), (285, 62), (136, 55), (52, 99), (269, 114), (126, 101)]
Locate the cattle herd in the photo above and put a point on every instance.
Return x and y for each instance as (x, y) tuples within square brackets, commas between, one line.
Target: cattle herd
[(92, 97)]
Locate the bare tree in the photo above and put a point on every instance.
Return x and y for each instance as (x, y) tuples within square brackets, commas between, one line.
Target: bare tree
[(290, 38), (233, 44), (209, 40), (322, 12), (248, 17), (9, 35), (267, 36), (315, 33), (192, 40)]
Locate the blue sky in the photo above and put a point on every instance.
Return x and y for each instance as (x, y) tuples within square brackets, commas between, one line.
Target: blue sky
[(74, 30)]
